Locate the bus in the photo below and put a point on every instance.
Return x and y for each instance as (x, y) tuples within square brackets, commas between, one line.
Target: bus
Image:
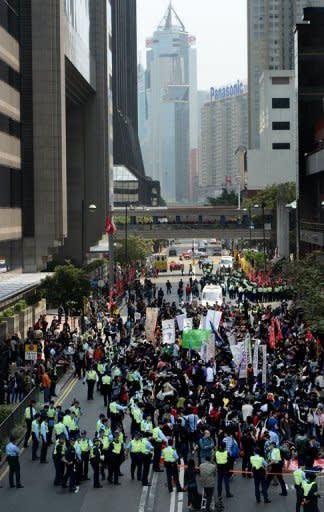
[(159, 262)]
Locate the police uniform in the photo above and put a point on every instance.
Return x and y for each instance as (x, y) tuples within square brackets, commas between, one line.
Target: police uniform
[(258, 469), (135, 449), (29, 416), (310, 495), (106, 388), (171, 457), (91, 377), (70, 474), (222, 472), (299, 477), (116, 452), (58, 459), (276, 467), (147, 450), (85, 446), (95, 457)]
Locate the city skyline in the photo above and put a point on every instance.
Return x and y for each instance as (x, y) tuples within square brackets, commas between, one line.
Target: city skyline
[(226, 30)]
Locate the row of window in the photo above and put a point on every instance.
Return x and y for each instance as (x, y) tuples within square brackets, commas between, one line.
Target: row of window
[(280, 102), (9, 17), (10, 190), (9, 126), (9, 75)]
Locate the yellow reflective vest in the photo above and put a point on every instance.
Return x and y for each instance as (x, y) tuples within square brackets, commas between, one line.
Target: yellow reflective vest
[(221, 457), (256, 462), (168, 454)]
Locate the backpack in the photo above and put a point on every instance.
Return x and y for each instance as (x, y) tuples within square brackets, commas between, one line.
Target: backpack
[(234, 450)]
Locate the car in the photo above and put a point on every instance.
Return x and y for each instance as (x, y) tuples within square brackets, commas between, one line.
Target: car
[(187, 255), (175, 265)]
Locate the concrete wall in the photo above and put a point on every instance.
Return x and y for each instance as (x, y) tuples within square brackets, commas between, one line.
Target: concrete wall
[(21, 321)]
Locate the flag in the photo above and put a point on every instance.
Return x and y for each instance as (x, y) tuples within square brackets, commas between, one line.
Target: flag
[(194, 338), (110, 227)]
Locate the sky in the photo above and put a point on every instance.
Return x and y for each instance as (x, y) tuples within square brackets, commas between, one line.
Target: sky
[(220, 27)]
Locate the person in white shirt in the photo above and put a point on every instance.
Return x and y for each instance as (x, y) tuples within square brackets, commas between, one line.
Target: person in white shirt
[(210, 375), (247, 410)]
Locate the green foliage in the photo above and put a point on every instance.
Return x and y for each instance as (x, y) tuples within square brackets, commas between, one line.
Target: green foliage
[(226, 199), (137, 250), (35, 297), (5, 411), (67, 287), (20, 306), (306, 278), (256, 259), (93, 265), (8, 313), (270, 195)]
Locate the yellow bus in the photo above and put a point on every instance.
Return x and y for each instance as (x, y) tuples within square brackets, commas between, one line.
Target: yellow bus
[(160, 262)]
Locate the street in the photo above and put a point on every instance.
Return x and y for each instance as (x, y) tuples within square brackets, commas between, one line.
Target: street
[(39, 492)]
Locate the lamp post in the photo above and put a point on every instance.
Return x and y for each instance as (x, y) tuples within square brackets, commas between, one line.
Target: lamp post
[(264, 237), (238, 178), (91, 209), (126, 233)]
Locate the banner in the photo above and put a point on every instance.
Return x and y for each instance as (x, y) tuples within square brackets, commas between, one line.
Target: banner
[(256, 358), (213, 319), (168, 331), (194, 338), (187, 324), (180, 321), (244, 362), (264, 364), (150, 322), (231, 339), (31, 350), (207, 351)]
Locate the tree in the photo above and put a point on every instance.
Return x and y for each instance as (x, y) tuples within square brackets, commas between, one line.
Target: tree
[(226, 199), (272, 194), (306, 278), (68, 287), (137, 250)]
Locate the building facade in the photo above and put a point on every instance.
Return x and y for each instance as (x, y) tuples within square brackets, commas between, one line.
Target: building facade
[(270, 47), (65, 77), (170, 148), (275, 161), (10, 138), (310, 87), (224, 128)]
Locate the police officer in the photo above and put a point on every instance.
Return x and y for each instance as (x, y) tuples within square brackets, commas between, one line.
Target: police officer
[(147, 451), (158, 437), (85, 446), (96, 457), (221, 457), (60, 429), (310, 492), (116, 449), (299, 477), (276, 467), (170, 461), (13, 452), (101, 368), (91, 378), (30, 413), (51, 414), (259, 465), (70, 474), (135, 450), (44, 438), (116, 414), (35, 436), (106, 388), (58, 459)]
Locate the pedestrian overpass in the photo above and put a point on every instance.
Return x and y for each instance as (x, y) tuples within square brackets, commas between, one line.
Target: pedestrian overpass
[(199, 222)]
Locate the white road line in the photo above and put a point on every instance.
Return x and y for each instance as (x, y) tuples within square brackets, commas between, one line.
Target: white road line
[(150, 503), (143, 499), (180, 495), (172, 501)]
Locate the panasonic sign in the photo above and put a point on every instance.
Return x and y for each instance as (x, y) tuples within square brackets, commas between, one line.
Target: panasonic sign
[(228, 91)]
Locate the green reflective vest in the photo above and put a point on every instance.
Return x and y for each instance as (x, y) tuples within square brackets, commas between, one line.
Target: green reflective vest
[(117, 447), (307, 487), (168, 454), (113, 408), (256, 462), (221, 457), (276, 455), (59, 428), (144, 449), (84, 445), (136, 446), (101, 368), (155, 432), (298, 476), (91, 375), (106, 380), (51, 413)]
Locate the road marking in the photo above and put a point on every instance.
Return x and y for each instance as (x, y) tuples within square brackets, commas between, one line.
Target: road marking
[(143, 499), (180, 495), (172, 501), (150, 503)]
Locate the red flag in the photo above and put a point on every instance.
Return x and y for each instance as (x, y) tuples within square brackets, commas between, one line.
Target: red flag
[(110, 227)]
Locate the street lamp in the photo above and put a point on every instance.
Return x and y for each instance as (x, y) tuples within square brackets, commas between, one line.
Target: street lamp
[(238, 178), (91, 209), (264, 238)]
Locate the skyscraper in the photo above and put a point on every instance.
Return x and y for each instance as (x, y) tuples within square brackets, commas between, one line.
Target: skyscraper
[(223, 130), (171, 95), (270, 47)]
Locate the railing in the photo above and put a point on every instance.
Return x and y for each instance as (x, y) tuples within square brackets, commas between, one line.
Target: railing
[(17, 415)]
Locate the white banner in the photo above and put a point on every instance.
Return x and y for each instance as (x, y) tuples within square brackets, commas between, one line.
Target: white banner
[(213, 319), (256, 358), (264, 364), (180, 321), (231, 338), (168, 331), (150, 322), (244, 362), (237, 353), (211, 347), (187, 324)]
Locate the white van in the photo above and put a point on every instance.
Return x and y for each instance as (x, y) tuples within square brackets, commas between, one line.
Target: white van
[(212, 294), (226, 262)]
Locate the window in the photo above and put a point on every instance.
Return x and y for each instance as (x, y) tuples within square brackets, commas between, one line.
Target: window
[(281, 145), (281, 125), (280, 80), (280, 102)]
